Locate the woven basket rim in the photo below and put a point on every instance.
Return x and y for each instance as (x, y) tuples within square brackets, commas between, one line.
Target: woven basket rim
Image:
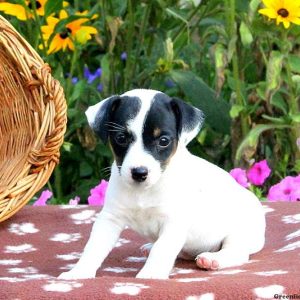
[(43, 100)]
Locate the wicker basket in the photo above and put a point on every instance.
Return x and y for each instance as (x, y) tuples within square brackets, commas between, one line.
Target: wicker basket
[(32, 121)]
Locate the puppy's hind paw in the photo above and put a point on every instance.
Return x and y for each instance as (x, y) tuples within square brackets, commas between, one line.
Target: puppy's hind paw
[(204, 261)]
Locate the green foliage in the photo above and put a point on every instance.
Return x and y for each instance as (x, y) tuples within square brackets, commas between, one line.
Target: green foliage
[(202, 96), (242, 70)]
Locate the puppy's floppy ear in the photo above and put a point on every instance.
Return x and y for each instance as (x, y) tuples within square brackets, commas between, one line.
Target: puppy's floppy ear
[(189, 120), (100, 114)]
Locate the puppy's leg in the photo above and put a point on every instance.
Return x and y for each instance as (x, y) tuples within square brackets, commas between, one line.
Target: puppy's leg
[(105, 233), (233, 253), (163, 253)]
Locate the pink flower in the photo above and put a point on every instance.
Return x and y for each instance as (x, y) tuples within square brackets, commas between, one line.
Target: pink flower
[(97, 194), (259, 172), (286, 190), (44, 197), (74, 201), (240, 176)]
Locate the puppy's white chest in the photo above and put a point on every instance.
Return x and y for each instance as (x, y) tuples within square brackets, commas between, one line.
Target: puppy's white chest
[(146, 221)]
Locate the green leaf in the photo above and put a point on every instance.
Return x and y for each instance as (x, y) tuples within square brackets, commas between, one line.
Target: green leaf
[(79, 89), (236, 110), (53, 6), (231, 47), (246, 35), (297, 166), (294, 61), (203, 97), (280, 120), (85, 169), (278, 101), (251, 140), (67, 146), (253, 6), (274, 68), (295, 118), (105, 77)]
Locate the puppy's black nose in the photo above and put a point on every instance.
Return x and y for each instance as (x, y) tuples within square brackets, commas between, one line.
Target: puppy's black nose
[(139, 174)]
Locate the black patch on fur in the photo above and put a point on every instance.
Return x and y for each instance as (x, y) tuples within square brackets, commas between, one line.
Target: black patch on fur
[(103, 117), (126, 110), (160, 117), (187, 116)]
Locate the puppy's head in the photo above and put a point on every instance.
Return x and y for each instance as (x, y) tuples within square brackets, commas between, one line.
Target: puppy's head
[(143, 129)]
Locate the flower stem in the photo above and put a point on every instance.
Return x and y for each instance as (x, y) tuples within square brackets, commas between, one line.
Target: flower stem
[(39, 24), (141, 37), (72, 68), (58, 182), (184, 25), (129, 44), (235, 63), (292, 99)]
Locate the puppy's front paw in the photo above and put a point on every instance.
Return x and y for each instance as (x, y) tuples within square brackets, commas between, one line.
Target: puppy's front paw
[(152, 275), (71, 275)]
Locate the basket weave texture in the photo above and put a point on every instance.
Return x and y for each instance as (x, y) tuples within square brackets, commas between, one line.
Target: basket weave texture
[(32, 121)]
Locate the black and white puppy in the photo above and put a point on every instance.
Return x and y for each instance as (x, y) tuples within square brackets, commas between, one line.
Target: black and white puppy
[(185, 205)]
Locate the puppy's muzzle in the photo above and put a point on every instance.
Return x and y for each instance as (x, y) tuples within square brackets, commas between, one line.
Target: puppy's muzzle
[(139, 174)]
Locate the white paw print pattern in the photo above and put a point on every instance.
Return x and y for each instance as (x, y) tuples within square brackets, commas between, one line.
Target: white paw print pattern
[(267, 209), (228, 272), (25, 277), (12, 279), (268, 292), (65, 237), (120, 270), (10, 262), (84, 217), (289, 247), (67, 267), (293, 235), (177, 271), (127, 288), (206, 296), (69, 206), (271, 273), (60, 286), (192, 279), (121, 242), (70, 256), (24, 248), (136, 259), (27, 270), (291, 219), (23, 228)]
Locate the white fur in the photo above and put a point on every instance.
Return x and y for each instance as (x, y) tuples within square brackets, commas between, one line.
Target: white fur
[(193, 206)]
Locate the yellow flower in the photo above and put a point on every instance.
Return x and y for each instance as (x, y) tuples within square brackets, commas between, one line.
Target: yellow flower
[(20, 11), (73, 31), (284, 11)]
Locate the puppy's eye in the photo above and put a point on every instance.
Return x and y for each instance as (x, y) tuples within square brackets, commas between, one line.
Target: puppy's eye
[(121, 139), (164, 141)]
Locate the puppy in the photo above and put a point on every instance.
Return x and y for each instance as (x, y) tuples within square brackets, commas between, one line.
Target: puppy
[(185, 205)]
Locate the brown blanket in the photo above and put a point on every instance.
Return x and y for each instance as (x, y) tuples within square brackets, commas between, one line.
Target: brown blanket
[(39, 243)]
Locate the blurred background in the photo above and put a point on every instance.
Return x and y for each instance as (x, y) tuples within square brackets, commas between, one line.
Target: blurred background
[(234, 60)]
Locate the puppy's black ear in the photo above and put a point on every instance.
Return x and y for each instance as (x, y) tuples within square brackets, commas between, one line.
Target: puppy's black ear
[(189, 120), (100, 114)]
